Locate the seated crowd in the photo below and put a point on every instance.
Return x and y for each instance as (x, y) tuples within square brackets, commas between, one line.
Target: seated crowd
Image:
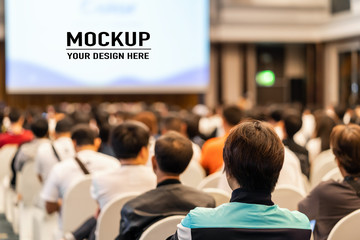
[(145, 149)]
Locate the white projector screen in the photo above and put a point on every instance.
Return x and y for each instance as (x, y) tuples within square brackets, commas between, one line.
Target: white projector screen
[(41, 58)]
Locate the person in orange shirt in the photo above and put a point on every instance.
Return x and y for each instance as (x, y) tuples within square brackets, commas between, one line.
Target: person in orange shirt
[(212, 150)]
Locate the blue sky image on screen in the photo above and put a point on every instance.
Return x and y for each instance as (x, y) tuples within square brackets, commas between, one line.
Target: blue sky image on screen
[(37, 60)]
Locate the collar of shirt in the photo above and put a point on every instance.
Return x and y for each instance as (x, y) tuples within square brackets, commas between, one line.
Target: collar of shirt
[(167, 182), (254, 197)]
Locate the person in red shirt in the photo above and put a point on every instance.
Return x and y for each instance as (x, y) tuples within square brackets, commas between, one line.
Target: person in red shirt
[(212, 150), (16, 134)]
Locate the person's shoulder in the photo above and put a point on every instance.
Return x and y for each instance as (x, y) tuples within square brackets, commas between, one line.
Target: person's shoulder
[(213, 143), (293, 219), (103, 156), (105, 175), (141, 200), (44, 146), (27, 134), (197, 194), (329, 187), (65, 165)]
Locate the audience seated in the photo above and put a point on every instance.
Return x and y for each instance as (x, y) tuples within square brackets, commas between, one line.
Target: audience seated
[(253, 157), (292, 124), (212, 150), (130, 142), (87, 160), (173, 153), (331, 200), (321, 141), (50, 153), (27, 151), (173, 122), (16, 134)]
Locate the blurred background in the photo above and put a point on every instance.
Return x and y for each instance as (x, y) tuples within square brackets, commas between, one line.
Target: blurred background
[(261, 52)]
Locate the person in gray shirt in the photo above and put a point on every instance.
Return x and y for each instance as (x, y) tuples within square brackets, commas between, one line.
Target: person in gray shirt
[(332, 200)]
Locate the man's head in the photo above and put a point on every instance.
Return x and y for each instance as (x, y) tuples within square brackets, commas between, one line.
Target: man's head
[(173, 153), (149, 119), (173, 123), (345, 143), (253, 156), (232, 115), (292, 122), (129, 139), (39, 127), (64, 125), (82, 135), (15, 115)]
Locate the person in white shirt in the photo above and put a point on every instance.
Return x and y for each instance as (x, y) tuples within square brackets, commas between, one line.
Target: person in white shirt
[(67, 172), (26, 152), (130, 143), (50, 153)]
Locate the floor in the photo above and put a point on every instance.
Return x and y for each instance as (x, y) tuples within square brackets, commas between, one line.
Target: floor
[(6, 232)]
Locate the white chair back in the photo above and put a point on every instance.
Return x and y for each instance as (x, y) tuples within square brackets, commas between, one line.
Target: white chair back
[(347, 228), (28, 184), (109, 219), (219, 195), (7, 153), (322, 164), (334, 174), (162, 229), (287, 196), (77, 205), (193, 174), (211, 181)]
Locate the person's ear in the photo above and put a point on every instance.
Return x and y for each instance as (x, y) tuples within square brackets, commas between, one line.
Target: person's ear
[(154, 164), (97, 143)]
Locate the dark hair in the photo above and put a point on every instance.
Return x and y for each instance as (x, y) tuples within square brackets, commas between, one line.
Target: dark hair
[(39, 127), (276, 113), (104, 132), (14, 115), (345, 143), (64, 125), (81, 117), (292, 122), (192, 125), (232, 115), (253, 155), (149, 119), (173, 152), (323, 128), (128, 138), (172, 123), (340, 111), (83, 135)]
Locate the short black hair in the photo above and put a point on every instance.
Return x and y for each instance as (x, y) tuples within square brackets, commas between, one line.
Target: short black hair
[(192, 125), (128, 138), (173, 152), (39, 127), (172, 122), (64, 125), (233, 115), (83, 135), (14, 115), (253, 155), (292, 122)]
